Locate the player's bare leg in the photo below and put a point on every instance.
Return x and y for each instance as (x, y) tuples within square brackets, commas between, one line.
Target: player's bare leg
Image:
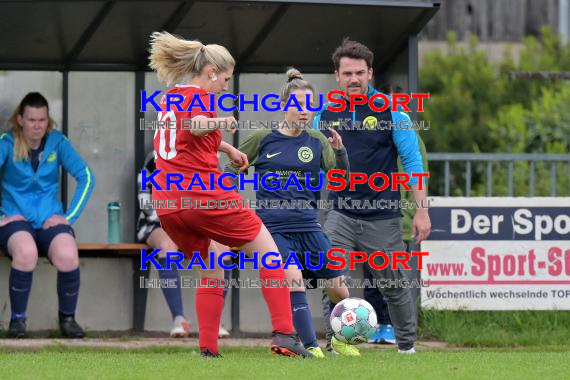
[(277, 298)]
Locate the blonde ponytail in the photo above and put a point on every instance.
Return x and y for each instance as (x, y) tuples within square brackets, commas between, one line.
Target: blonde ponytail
[(173, 57)]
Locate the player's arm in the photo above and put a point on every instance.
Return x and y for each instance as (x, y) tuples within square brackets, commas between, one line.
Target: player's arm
[(5, 148), (334, 155), (409, 213), (204, 120), (74, 165), (406, 142), (236, 157), (334, 152), (225, 147), (202, 125)]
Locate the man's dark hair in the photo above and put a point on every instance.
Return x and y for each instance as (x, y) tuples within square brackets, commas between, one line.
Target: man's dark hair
[(352, 49)]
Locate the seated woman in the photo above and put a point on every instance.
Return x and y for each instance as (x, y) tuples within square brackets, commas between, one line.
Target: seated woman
[(32, 220)]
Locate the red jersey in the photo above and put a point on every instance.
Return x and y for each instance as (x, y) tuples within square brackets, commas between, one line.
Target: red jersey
[(178, 151)]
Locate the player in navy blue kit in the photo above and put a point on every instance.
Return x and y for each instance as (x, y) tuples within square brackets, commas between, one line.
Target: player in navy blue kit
[(292, 148)]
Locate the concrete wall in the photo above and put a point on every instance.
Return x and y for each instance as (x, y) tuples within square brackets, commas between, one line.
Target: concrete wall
[(397, 73), (14, 85), (101, 127), (105, 300)]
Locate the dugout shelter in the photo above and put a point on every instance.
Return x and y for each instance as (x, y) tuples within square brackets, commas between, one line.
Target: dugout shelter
[(89, 58)]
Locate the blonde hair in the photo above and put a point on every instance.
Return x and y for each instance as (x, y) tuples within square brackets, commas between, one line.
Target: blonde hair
[(295, 81), (173, 57), (32, 99)]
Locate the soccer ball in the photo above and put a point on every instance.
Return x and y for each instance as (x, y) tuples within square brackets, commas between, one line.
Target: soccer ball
[(353, 321)]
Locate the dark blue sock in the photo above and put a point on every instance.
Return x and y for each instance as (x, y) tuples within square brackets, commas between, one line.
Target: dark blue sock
[(68, 292), (227, 277), (173, 296), (303, 320), (20, 285)]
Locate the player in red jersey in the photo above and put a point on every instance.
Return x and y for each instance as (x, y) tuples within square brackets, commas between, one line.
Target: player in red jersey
[(192, 148)]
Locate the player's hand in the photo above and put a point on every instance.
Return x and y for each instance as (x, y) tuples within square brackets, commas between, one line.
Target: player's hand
[(335, 140), (421, 225), (9, 219), (238, 158), (54, 220), (231, 124)]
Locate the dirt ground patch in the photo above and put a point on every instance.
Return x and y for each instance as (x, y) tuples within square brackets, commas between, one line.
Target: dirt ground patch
[(138, 343)]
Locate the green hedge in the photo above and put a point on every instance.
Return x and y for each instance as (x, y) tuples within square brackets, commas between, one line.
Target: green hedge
[(475, 106)]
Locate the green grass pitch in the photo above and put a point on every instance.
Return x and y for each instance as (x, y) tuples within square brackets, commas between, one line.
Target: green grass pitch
[(257, 363)]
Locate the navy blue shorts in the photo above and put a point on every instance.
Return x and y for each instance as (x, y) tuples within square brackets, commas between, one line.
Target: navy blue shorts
[(307, 242), (43, 238)]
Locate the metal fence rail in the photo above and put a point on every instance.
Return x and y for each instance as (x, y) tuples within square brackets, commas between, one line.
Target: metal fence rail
[(490, 158)]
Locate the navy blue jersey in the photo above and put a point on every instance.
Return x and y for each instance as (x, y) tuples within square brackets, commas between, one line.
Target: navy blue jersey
[(274, 152), (373, 150)]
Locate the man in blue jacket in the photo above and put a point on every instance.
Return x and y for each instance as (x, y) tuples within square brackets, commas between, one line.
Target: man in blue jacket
[(32, 220), (374, 147)]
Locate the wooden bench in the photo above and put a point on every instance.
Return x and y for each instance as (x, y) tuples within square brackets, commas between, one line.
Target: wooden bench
[(107, 250), (140, 295), (125, 250)]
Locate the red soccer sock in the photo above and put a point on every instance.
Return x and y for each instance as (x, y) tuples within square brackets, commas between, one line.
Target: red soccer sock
[(209, 307), (278, 300)]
